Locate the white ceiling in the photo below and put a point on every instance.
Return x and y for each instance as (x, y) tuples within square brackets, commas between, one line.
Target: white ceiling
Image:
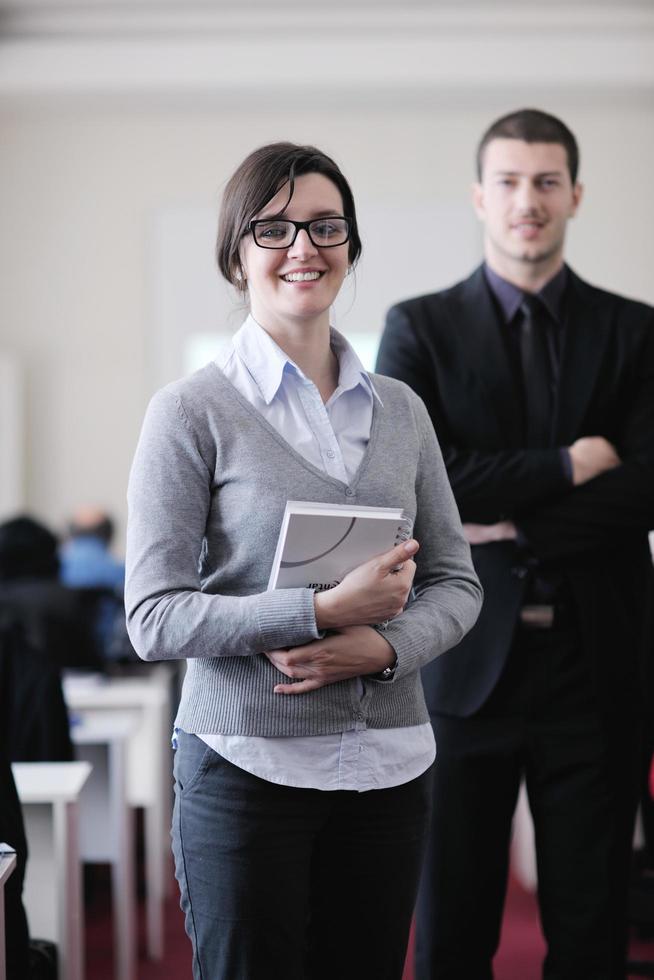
[(347, 48)]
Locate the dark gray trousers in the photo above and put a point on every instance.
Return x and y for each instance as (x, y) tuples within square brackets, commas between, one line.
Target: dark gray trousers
[(280, 883)]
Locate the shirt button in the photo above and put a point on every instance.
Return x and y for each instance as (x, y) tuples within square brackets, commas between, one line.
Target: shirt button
[(349, 492), (330, 454)]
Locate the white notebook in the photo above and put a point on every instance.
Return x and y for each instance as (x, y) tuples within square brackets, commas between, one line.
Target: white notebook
[(320, 543)]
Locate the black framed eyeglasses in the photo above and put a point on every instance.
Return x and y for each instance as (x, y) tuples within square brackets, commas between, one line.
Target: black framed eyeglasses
[(325, 232)]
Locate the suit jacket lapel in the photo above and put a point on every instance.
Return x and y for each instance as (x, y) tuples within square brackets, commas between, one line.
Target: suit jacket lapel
[(486, 353), (586, 338)]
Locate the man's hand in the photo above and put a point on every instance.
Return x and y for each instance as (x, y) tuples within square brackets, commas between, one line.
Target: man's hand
[(591, 456), (487, 533), (371, 593), (350, 652)]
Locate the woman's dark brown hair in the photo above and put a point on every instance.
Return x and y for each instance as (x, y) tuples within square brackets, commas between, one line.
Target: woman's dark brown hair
[(256, 181)]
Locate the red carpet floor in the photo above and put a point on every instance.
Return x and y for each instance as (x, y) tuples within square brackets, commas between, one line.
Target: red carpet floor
[(519, 957)]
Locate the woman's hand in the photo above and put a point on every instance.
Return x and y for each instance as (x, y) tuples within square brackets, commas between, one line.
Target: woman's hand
[(351, 652), (372, 593)]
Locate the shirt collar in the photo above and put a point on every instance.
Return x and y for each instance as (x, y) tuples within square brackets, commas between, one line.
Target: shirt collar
[(510, 296), (262, 357), (351, 371), (267, 362)]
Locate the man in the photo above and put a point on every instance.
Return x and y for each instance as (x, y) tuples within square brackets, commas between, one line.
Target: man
[(541, 390), (89, 567), (86, 561)]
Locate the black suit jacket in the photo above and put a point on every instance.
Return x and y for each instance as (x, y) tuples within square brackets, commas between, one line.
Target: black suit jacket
[(449, 348)]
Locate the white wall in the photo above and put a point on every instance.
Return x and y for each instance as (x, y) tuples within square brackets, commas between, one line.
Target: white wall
[(12, 434), (98, 156)]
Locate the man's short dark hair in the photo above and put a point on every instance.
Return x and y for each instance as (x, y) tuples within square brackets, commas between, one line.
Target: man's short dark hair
[(532, 126), (102, 528)]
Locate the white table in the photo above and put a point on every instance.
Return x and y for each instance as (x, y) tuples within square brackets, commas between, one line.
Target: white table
[(7, 865), (49, 794), (146, 700), (107, 827)]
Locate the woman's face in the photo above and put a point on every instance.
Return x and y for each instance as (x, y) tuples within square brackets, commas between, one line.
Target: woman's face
[(298, 284)]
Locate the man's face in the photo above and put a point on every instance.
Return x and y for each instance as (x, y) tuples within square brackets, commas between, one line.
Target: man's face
[(525, 199)]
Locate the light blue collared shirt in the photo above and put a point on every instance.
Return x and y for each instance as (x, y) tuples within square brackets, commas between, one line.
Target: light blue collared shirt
[(333, 437)]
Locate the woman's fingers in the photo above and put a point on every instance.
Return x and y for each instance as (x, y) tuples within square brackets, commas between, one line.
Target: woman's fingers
[(372, 592), (394, 558), (351, 652), (278, 659), (300, 687)]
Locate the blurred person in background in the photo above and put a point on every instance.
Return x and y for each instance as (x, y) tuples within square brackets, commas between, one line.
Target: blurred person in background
[(51, 615), (86, 558), (89, 566), (303, 741), (541, 390)]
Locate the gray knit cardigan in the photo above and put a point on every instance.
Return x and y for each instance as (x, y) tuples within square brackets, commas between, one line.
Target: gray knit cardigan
[(207, 492)]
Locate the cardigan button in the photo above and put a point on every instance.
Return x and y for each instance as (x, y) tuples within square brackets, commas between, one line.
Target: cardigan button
[(349, 492)]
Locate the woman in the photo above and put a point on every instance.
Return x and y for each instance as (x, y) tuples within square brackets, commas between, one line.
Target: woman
[(303, 742)]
